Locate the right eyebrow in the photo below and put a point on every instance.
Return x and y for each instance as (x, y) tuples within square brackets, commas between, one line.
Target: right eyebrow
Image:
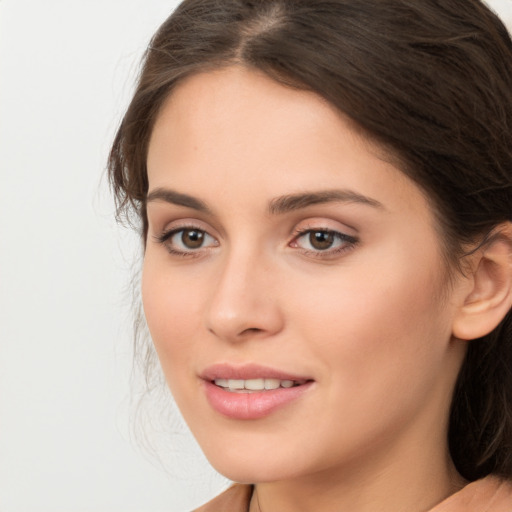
[(177, 198)]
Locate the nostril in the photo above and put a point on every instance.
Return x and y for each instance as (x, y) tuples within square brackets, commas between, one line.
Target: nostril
[(251, 330)]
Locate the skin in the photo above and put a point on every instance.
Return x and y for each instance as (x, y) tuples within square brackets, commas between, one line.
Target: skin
[(371, 323)]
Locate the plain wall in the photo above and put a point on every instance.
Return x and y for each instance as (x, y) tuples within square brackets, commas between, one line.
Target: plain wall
[(66, 72)]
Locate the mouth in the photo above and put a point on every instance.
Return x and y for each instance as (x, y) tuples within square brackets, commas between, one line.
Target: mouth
[(252, 392), (256, 385)]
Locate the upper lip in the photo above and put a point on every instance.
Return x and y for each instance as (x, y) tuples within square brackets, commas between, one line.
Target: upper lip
[(248, 371)]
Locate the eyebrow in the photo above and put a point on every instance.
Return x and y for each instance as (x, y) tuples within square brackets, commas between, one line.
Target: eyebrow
[(298, 201), (177, 198), (277, 206)]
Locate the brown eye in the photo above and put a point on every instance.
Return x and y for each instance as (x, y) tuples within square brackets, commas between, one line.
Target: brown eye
[(187, 241), (321, 240), (323, 243), (192, 238)]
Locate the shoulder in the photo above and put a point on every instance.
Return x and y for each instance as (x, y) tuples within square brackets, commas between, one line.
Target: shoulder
[(236, 499), (491, 494)]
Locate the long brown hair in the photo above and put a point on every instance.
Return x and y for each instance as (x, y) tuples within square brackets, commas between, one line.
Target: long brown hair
[(429, 80)]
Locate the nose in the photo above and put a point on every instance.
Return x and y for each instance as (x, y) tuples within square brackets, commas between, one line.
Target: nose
[(245, 301)]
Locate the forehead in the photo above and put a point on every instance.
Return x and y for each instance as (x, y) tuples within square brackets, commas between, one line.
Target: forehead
[(239, 128), (242, 102)]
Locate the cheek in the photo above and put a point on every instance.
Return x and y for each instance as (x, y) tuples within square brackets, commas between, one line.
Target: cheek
[(377, 330), (173, 311)]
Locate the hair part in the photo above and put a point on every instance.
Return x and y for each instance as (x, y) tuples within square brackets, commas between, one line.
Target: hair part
[(429, 81)]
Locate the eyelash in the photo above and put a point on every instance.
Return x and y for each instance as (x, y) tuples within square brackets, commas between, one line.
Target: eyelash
[(164, 238), (347, 242)]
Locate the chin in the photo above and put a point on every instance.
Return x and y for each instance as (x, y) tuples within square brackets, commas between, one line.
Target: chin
[(244, 471), (253, 463)]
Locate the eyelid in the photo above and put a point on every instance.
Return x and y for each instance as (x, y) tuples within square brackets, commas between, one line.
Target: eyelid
[(339, 234), (348, 241), (163, 225), (324, 224), (343, 240), (173, 228)]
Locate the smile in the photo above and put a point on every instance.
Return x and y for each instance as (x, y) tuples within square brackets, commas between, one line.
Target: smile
[(255, 385), (251, 391)]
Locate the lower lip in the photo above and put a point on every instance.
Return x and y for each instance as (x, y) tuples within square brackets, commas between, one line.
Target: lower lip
[(253, 405)]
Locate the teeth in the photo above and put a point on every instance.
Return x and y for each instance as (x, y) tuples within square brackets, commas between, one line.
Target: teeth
[(272, 383), (235, 384), (255, 384)]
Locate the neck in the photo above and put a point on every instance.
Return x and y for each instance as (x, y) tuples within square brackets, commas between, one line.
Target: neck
[(382, 487)]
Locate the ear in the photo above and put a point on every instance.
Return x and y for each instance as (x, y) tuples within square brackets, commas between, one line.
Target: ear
[(487, 295)]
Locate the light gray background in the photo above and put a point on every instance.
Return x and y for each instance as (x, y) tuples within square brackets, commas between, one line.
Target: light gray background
[(66, 72)]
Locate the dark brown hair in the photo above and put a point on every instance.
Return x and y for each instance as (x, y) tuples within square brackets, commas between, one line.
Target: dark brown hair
[(428, 80)]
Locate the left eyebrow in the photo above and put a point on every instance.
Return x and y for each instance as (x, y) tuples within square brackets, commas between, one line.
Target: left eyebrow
[(292, 202)]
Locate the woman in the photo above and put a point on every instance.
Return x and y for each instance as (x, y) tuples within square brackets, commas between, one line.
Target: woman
[(324, 190)]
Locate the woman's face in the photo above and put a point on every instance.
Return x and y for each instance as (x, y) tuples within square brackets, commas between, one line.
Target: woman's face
[(293, 285)]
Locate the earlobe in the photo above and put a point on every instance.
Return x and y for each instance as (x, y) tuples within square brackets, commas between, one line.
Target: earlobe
[(489, 295)]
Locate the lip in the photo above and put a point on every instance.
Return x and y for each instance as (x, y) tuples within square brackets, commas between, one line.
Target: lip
[(248, 371), (254, 405)]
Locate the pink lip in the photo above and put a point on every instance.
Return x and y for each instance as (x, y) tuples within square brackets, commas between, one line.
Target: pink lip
[(247, 371), (254, 405)]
